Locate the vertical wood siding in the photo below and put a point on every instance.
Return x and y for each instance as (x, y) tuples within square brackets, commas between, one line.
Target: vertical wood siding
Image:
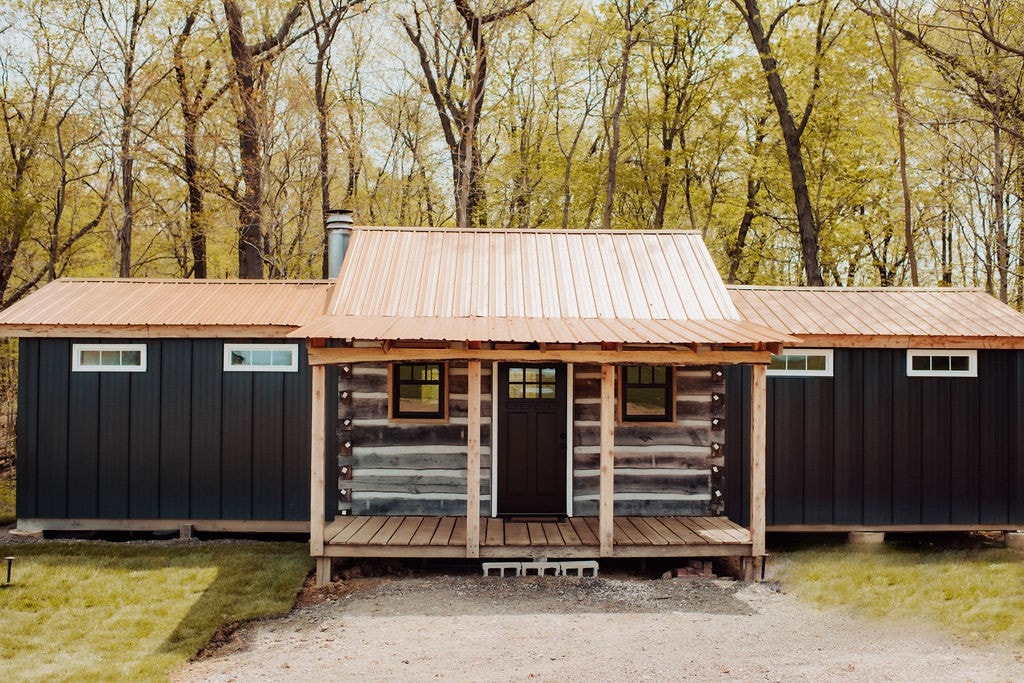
[(406, 467), (183, 440), (871, 446), (660, 469)]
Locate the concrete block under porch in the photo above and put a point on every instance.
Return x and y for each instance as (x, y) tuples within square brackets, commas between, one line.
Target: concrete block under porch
[(574, 537)]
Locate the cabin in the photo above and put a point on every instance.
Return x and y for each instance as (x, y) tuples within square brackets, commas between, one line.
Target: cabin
[(516, 395), (898, 410)]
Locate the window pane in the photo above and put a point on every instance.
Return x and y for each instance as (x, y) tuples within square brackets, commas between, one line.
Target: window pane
[(797, 362), (940, 363), (404, 372), (532, 391), (920, 363), (281, 358), (633, 374), (532, 374), (645, 402), (131, 358), (418, 398), (659, 374), (547, 391), (778, 363), (90, 358), (110, 357), (816, 363), (547, 374), (515, 374), (960, 363)]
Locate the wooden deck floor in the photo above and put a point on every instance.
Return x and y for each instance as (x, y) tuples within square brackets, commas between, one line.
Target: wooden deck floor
[(362, 536)]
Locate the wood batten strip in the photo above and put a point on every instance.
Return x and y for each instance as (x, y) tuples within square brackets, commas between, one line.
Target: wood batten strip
[(606, 499), (660, 356), (473, 462)]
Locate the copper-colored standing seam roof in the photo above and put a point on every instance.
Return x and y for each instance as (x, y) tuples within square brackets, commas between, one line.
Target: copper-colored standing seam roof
[(879, 311), (202, 303), (559, 286)]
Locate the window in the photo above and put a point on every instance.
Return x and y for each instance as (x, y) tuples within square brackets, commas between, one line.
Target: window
[(418, 391), (933, 363), (801, 363), (525, 383), (261, 357), (646, 394), (108, 357)]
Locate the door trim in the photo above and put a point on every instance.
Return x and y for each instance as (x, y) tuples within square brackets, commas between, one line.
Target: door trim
[(497, 404)]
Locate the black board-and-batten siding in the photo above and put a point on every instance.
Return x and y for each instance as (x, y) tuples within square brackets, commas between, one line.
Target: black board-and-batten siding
[(871, 447), (183, 440)]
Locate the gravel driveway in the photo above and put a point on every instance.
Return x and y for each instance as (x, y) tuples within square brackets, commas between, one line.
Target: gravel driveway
[(567, 629)]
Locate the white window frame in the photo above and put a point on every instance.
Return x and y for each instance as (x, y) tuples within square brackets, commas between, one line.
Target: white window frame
[(231, 348), (972, 362), (827, 372), (78, 366)]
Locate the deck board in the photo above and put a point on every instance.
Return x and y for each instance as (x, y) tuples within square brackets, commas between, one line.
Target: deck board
[(405, 531), (443, 534), (416, 536), (425, 531)]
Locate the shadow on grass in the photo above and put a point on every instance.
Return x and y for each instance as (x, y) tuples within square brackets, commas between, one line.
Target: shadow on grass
[(201, 585)]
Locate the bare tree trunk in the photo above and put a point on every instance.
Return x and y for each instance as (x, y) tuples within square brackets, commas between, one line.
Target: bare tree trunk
[(791, 134), (615, 119), (998, 214)]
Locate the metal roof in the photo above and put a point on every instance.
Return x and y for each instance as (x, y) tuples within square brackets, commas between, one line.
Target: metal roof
[(557, 286), (914, 315), (153, 304)]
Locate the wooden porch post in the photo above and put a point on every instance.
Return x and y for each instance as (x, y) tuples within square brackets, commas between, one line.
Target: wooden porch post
[(317, 456), (758, 447), (473, 463), (606, 498)]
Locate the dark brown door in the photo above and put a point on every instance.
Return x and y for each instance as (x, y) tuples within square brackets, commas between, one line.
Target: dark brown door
[(531, 439)]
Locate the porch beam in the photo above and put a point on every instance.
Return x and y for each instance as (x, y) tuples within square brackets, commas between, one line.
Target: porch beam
[(317, 475), (758, 447), (473, 463), (681, 356), (606, 497)]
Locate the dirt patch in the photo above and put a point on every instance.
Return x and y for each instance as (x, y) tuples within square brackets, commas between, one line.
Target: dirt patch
[(564, 628)]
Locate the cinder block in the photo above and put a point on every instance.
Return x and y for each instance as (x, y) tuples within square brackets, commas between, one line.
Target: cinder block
[(866, 537), (541, 568), (502, 567), (1015, 540), (580, 568)]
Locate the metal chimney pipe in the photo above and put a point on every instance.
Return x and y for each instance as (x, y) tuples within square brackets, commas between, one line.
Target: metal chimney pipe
[(338, 224)]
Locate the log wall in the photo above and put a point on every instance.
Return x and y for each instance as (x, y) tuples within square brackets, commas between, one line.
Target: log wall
[(674, 468), (407, 467)]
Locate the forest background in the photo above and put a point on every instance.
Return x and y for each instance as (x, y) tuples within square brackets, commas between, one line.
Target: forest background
[(840, 142)]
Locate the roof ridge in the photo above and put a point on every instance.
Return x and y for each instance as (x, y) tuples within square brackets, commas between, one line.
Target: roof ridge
[(837, 288), (526, 231)]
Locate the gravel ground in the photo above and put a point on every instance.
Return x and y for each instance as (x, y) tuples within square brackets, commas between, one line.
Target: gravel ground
[(566, 629)]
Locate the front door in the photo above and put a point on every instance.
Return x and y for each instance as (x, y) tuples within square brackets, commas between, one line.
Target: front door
[(531, 439)]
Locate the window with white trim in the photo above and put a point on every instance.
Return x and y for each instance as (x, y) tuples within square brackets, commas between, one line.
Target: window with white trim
[(801, 363), (942, 363), (261, 358), (108, 357)]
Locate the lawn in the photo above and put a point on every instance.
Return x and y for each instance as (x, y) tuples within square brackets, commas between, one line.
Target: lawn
[(99, 611), (977, 594)]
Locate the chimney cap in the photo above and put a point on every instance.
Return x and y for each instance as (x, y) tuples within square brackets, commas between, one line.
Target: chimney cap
[(337, 218)]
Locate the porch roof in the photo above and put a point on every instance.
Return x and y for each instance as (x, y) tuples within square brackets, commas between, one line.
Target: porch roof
[(884, 316), (552, 286)]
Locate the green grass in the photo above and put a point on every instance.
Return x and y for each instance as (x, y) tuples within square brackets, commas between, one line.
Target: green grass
[(98, 611), (976, 594), (7, 510)]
